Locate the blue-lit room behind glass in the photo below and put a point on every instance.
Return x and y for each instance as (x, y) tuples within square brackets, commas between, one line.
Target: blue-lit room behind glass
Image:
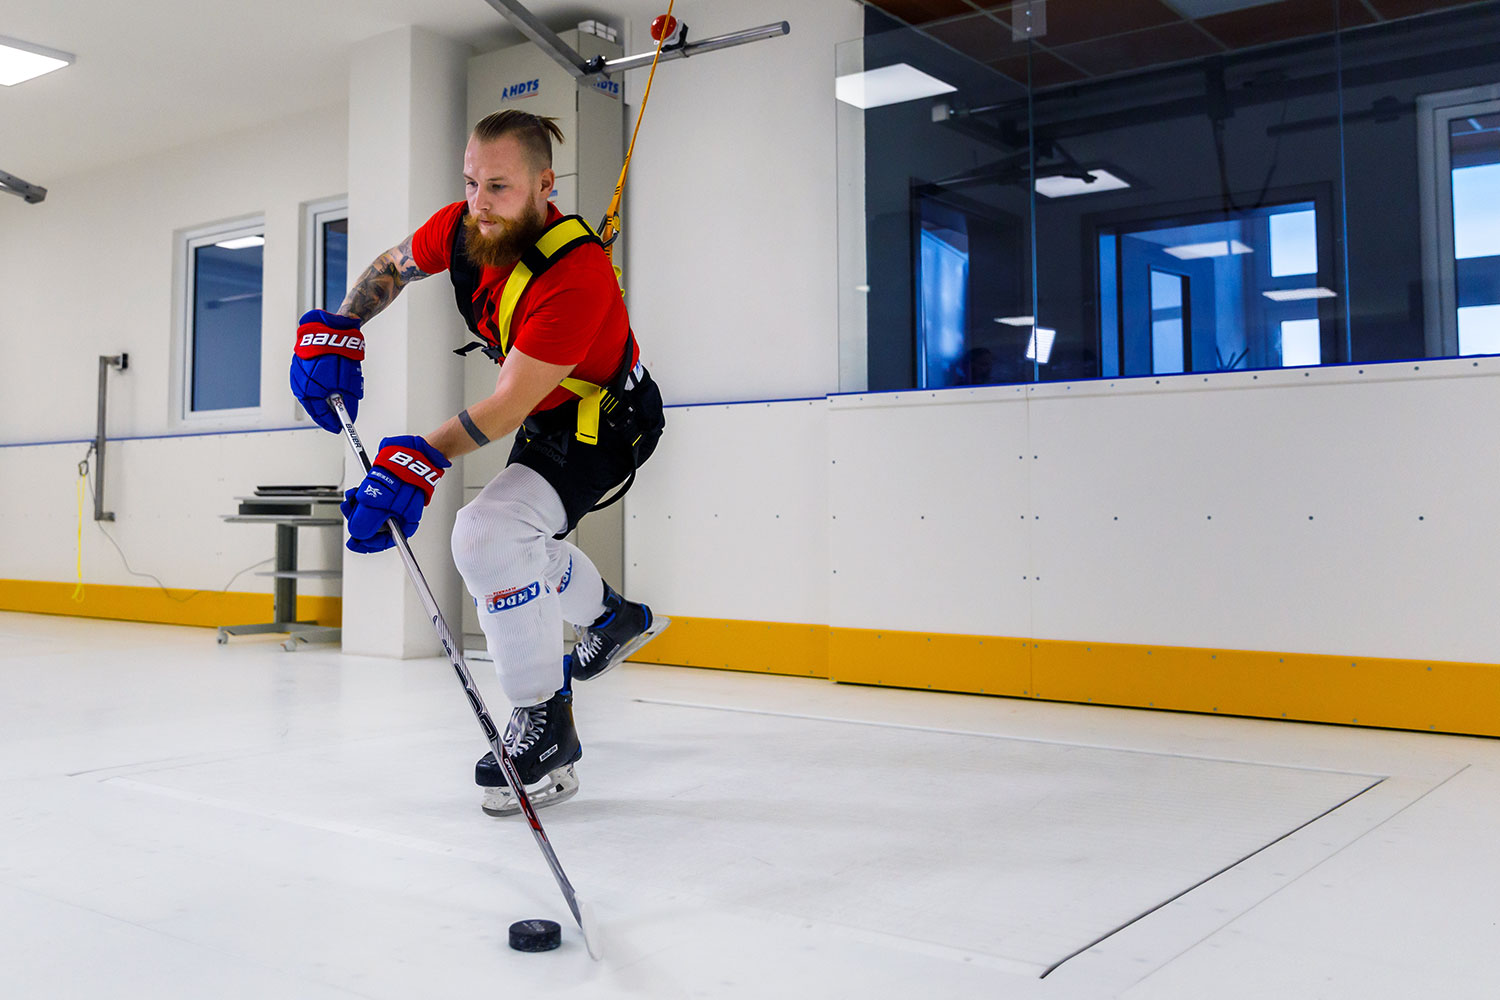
[(1153, 187)]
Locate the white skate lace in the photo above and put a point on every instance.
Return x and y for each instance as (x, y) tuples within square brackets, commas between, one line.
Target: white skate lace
[(532, 721), (588, 647)]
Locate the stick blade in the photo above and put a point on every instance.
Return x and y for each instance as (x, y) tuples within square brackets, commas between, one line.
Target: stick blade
[(589, 925)]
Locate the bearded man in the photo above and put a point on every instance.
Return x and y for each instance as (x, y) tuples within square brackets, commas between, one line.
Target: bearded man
[(540, 292)]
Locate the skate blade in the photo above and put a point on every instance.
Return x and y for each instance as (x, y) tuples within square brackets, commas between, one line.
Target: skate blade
[(659, 625), (559, 786)]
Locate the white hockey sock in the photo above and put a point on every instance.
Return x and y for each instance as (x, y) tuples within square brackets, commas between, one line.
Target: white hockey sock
[(580, 588), (500, 546)]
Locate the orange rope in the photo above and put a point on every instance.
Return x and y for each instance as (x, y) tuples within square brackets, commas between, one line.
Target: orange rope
[(612, 216)]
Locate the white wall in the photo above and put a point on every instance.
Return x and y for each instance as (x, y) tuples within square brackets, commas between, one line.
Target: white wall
[(90, 271), (730, 517), (721, 316), (406, 133), (168, 495), (732, 261)]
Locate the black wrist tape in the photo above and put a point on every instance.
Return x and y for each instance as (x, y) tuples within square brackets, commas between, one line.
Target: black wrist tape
[(474, 432)]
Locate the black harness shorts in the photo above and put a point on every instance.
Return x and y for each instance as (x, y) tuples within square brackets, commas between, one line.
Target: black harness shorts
[(582, 474)]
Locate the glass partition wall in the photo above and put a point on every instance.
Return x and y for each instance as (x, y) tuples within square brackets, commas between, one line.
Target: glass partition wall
[(1068, 190)]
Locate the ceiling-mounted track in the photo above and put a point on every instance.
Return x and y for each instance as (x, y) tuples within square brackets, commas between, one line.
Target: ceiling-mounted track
[(527, 23)]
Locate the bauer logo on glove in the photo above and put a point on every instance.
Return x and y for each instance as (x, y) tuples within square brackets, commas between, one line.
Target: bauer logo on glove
[(326, 360), (396, 489), (416, 466), (350, 345)]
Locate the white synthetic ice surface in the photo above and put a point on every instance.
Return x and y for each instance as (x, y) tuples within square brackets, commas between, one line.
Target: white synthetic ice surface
[(187, 820)]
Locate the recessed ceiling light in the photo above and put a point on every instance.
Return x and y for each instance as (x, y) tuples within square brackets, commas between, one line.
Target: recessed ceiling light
[(1298, 294), (21, 61), (1065, 187), (1016, 320), (242, 243), (888, 85), (1218, 248)]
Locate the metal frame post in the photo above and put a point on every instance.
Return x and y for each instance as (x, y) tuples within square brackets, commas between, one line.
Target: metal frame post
[(284, 590)]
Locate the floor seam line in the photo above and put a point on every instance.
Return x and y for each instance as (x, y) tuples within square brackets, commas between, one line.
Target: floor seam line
[(1017, 739), (1227, 868)]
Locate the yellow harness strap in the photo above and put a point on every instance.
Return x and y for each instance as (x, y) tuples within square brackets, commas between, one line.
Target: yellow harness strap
[(561, 237)]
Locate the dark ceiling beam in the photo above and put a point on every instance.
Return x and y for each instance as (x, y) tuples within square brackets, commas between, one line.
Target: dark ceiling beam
[(1059, 124)]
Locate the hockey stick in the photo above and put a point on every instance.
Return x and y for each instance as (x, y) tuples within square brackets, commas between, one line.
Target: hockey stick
[(581, 911)]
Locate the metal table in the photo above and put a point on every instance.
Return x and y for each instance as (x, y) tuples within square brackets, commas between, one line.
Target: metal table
[(288, 512)]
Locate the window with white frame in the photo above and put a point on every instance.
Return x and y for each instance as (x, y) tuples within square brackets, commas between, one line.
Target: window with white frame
[(327, 253), (1461, 220), (224, 283)]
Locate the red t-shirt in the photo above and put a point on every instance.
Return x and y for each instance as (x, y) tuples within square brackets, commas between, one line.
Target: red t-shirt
[(573, 314)]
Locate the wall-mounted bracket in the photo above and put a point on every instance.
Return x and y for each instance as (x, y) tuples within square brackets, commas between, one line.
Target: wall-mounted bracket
[(11, 184), (119, 362)]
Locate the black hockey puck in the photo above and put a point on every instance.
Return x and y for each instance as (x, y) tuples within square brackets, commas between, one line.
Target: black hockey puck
[(535, 935)]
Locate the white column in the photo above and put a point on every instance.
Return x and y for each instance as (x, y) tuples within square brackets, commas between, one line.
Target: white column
[(407, 97)]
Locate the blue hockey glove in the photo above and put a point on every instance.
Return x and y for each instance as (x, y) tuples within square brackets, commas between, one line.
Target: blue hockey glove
[(399, 485), (326, 359)]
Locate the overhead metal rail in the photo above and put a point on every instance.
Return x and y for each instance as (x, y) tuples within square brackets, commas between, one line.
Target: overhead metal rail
[(11, 184), (527, 23), (694, 48)]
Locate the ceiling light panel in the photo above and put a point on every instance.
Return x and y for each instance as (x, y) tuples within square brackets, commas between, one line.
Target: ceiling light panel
[(21, 61), (1039, 348), (1299, 294), (1218, 248), (1066, 187), (888, 85)]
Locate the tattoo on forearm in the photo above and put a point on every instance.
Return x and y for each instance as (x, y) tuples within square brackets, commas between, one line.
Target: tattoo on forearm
[(381, 282)]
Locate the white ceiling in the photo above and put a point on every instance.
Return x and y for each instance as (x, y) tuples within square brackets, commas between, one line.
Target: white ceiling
[(152, 74)]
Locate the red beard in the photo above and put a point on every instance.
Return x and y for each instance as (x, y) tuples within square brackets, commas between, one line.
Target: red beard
[(504, 244)]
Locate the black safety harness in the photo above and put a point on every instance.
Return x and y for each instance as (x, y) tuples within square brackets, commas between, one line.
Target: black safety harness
[(613, 403)]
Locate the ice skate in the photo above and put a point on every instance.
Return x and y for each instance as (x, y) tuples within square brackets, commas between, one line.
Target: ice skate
[(614, 636), (543, 744)]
